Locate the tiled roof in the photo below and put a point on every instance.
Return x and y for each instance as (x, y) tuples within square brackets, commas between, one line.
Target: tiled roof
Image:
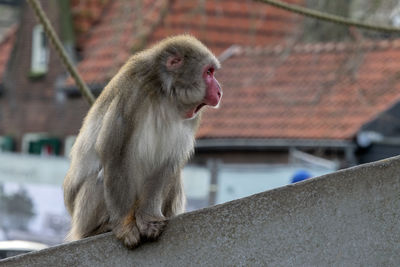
[(126, 25), (6, 45), (110, 42), (219, 24), (86, 13), (304, 92)]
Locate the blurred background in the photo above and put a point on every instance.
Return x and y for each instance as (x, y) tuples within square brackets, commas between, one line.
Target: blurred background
[(302, 97)]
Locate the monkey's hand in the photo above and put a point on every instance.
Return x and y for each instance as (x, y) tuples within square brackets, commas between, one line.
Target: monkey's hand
[(149, 226), (133, 228), (128, 232)]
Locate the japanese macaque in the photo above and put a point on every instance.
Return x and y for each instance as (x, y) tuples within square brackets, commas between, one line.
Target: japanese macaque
[(125, 173)]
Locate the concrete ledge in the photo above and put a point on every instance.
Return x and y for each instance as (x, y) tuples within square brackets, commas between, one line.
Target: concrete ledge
[(350, 218)]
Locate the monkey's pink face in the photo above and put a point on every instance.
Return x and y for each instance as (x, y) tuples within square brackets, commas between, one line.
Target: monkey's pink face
[(213, 92)]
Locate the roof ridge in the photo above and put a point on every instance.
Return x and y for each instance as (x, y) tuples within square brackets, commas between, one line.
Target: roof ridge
[(229, 52), (322, 47), (9, 33)]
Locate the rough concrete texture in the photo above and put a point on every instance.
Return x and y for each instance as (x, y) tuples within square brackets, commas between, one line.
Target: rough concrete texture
[(348, 218)]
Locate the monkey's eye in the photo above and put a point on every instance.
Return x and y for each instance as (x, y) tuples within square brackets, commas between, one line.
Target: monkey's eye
[(210, 71)]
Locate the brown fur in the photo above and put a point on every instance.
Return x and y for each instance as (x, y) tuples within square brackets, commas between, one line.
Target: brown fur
[(125, 172)]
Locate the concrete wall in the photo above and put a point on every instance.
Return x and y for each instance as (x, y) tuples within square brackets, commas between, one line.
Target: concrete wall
[(348, 218)]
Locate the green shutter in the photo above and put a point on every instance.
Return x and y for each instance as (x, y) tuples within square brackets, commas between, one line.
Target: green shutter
[(7, 143), (36, 147)]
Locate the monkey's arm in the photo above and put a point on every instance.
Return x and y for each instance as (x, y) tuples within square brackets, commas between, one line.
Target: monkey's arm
[(109, 146), (119, 192), (134, 212)]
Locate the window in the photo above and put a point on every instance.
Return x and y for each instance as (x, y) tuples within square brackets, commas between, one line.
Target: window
[(6, 143), (41, 144), (40, 51)]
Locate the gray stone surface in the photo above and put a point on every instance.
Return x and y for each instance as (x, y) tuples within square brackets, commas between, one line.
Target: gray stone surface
[(348, 218)]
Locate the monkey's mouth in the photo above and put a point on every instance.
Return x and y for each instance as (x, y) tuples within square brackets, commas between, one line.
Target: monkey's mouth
[(197, 109), (192, 113)]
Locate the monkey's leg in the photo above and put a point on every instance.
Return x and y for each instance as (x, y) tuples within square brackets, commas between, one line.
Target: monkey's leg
[(157, 189), (176, 201), (89, 216), (120, 202), (119, 186)]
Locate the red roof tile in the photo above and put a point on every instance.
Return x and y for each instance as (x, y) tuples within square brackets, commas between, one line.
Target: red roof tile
[(110, 42), (219, 24), (306, 92), (86, 13), (6, 45), (124, 26)]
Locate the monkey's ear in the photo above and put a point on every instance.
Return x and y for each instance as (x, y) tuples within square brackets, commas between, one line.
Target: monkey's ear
[(174, 62)]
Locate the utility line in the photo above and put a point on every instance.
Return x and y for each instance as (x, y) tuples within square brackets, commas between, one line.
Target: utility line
[(328, 17), (61, 51)]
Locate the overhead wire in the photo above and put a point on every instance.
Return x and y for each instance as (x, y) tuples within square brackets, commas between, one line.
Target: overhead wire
[(83, 88), (328, 17)]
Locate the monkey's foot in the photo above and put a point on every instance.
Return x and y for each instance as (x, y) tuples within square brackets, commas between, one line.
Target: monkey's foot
[(151, 227), (128, 233)]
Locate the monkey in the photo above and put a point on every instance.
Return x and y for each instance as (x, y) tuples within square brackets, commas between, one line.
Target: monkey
[(126, 162)]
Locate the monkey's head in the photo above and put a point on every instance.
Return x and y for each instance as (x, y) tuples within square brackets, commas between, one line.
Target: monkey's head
[(187, 70)]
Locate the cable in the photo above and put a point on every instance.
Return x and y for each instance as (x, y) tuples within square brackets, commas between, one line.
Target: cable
[(61, 51), (328, 17)]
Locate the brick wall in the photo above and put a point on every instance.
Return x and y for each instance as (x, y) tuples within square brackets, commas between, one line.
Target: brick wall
[(33, 105)]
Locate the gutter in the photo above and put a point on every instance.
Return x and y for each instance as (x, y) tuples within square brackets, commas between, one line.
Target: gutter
[(243, 144), (262, 144)]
